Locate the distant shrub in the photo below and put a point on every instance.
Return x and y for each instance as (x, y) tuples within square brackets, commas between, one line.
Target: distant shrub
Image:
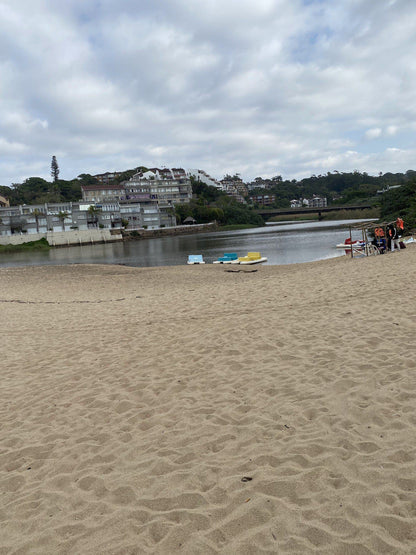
[(42, 244)]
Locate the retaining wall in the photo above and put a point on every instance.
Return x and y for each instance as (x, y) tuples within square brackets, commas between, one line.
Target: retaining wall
[(65, 238), (91, 236)]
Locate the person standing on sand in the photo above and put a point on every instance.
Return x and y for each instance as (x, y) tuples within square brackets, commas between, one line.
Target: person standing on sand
[(392, 233)]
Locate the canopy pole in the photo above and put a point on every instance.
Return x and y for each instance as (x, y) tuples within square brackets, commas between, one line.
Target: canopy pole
[(365, 242), (351, 242)]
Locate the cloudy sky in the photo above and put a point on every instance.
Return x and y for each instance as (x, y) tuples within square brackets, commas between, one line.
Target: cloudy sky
[(264, 87)]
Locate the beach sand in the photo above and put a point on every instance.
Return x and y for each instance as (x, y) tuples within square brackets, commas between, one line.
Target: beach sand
[(199, 410)]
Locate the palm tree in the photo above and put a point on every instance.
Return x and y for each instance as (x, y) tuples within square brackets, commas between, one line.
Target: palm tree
[(93, 212), (62, 215), (37, 213)]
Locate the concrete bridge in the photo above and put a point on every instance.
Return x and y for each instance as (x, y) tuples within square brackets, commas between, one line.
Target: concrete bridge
[(269, 213)]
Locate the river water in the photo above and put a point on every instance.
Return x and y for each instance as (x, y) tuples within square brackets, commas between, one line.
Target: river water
[(284, 243)]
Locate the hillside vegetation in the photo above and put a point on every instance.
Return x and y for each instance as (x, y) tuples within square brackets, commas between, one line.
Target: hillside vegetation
[(338, 188), (210, 204), (400, 202)]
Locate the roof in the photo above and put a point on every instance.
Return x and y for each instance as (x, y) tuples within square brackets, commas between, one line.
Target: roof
[(102, 186)]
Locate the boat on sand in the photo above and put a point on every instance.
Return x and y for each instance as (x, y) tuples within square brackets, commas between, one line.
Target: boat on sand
[(251, 258), (195, 259), (228, 258)]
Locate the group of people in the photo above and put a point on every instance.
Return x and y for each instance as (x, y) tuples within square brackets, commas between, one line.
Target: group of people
[(391, 241)]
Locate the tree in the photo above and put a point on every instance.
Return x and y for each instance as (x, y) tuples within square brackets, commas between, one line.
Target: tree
[(54, 169), (17, 224), (37, 213), (400, 202), (93, 212), (62, 216), (87, 179)]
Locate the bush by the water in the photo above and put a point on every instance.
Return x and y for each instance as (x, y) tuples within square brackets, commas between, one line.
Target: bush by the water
[(42, 244)]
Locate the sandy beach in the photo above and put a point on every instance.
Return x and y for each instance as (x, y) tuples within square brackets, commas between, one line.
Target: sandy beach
[(199, 410)]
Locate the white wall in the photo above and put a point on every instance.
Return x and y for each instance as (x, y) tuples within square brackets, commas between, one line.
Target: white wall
[(59, 238)]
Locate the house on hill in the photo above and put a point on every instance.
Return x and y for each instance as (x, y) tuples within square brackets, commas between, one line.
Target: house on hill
[(4, 202)]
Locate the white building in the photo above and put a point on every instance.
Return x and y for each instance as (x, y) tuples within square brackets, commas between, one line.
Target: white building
[(314, 202), (202, 176), (165, 186)]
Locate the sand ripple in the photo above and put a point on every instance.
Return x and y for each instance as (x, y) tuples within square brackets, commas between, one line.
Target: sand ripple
[(192, 410)]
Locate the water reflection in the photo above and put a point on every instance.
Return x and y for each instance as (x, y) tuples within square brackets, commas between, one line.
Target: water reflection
[(283, 243)]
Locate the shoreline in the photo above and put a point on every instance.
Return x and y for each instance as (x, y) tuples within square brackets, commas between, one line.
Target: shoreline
[(190, 409)]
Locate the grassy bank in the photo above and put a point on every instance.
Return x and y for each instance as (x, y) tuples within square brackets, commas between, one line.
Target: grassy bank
[(327, 216), (235, 227), (42, 245), (295, 218), (369, 214)]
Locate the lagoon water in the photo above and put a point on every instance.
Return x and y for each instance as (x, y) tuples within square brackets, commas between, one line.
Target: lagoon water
[(284, 243)]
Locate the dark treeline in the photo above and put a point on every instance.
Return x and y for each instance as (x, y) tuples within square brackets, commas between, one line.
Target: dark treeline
[(36, 190)]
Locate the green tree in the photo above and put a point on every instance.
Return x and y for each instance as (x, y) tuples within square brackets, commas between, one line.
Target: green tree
[(37, 214), (54, 169), (93, 213), (87, 179), (209, 193), (62, 215), (17, 224)]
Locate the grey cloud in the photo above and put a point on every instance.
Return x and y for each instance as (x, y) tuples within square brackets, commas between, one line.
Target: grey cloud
[(289, 86)]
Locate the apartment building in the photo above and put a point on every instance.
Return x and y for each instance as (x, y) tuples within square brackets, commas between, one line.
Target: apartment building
[(146, 200), (235, 188), (264, 200), (107, 177), (314, 202), (137, 204), (103, 192), (317, 202), (166, 186), (56, 216)]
